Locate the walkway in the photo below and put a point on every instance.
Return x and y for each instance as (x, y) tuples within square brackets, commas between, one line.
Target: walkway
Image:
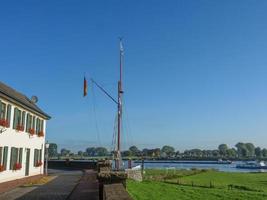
[(58, 189), (87, 188)]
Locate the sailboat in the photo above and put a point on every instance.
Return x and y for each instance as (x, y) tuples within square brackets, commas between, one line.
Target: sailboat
[(118, 102)]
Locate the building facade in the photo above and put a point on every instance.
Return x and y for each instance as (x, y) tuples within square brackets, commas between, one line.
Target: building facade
[(22, 135)]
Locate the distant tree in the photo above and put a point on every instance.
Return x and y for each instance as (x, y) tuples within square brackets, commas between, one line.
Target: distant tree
[(101, 151), (258, 152), (168, 150), (52, 150), (91, 151), (196, 153), (145, 152), (250, 149), (222, 149), (231, 153), (126, 153), (264, 152), (80, 153), (215, 153), (135, 151), (242, 150), (64, 152)]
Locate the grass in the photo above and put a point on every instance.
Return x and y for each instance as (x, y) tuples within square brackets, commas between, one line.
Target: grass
[(163, 185)]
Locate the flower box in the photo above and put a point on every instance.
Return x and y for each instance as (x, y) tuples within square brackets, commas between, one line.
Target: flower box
[(4, 123), (2, 168), (17, 166), (41, 134), (39, 164), (31, 131), (20, 127)]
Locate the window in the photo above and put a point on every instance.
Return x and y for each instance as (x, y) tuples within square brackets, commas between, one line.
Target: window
[(39, 127), (19, 120), (3, 158), (37, 162), (30, 123), (16, 158), (5, 110)]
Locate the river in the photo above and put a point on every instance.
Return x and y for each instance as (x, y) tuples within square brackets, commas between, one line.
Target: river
[(199, 164)]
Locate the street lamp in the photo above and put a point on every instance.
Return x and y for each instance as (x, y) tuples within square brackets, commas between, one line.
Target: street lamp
[(46, 157)]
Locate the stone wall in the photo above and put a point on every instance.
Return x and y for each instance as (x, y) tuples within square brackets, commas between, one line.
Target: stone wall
[(72, 164), (115, 192), (134, 174)]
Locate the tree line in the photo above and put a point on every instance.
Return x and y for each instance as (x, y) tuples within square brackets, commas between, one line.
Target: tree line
[(239, 151)]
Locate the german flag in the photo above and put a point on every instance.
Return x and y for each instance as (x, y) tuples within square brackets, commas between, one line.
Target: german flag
[(84, 87)]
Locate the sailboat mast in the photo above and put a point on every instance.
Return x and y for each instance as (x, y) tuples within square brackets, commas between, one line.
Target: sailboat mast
[(120, 92)]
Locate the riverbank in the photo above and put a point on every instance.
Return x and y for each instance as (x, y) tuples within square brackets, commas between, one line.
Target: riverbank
[(199, 184)]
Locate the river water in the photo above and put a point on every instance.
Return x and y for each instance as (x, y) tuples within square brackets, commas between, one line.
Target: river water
[(221, 167)]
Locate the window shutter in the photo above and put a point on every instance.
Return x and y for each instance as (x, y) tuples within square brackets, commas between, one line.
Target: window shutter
[(35, 157), (33, 123), (12, 158), (15, 119), (42, 125), (8, 114), (5, 157), (1, 152), (37, 126), (40, 156), (27, 123), (23, 120), (16, 155), (20, 155)]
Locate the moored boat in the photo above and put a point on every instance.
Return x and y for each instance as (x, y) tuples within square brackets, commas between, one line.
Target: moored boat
[(252, 165)]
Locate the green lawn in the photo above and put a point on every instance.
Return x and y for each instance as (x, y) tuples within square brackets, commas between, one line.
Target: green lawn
[(162, 185)]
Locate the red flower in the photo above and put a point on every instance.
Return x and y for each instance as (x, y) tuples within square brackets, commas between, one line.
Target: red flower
[(41, 134), (20, 127), (39, 163), (4, 123), (17, 166), (31, 131), (2, 168)]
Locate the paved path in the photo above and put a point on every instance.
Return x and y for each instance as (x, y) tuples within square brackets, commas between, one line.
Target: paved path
[(57, 189), (87, 188)]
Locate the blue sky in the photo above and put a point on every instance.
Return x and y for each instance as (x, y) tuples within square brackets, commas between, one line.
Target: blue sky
[(195, 71)]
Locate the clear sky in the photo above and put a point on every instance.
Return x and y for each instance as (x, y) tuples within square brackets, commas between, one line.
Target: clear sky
[(195, 71)]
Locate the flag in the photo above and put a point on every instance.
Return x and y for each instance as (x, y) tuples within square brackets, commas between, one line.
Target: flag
[(84, 87)]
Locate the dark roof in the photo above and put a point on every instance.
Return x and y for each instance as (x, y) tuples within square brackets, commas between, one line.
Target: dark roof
[(20, 99)]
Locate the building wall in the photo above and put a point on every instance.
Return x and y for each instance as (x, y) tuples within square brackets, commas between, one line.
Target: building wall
[(13, 138)]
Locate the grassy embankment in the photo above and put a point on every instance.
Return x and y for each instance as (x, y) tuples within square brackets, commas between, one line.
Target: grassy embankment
[(198, 185)]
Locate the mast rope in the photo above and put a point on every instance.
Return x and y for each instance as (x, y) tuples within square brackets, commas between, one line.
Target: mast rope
[(95, 116)]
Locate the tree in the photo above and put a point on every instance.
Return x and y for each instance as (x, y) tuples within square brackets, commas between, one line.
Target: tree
[(135, 151), (101, 151), (80, 153), (126, 153), (222, 149), (215, 153), (231, 153), (91, 151), (52, 150), (264, 152), (242, 150), (168, 150), (250, 149), (64, 152), (258, 152)]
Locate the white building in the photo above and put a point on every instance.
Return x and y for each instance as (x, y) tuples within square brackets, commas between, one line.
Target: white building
[(22, 135)]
